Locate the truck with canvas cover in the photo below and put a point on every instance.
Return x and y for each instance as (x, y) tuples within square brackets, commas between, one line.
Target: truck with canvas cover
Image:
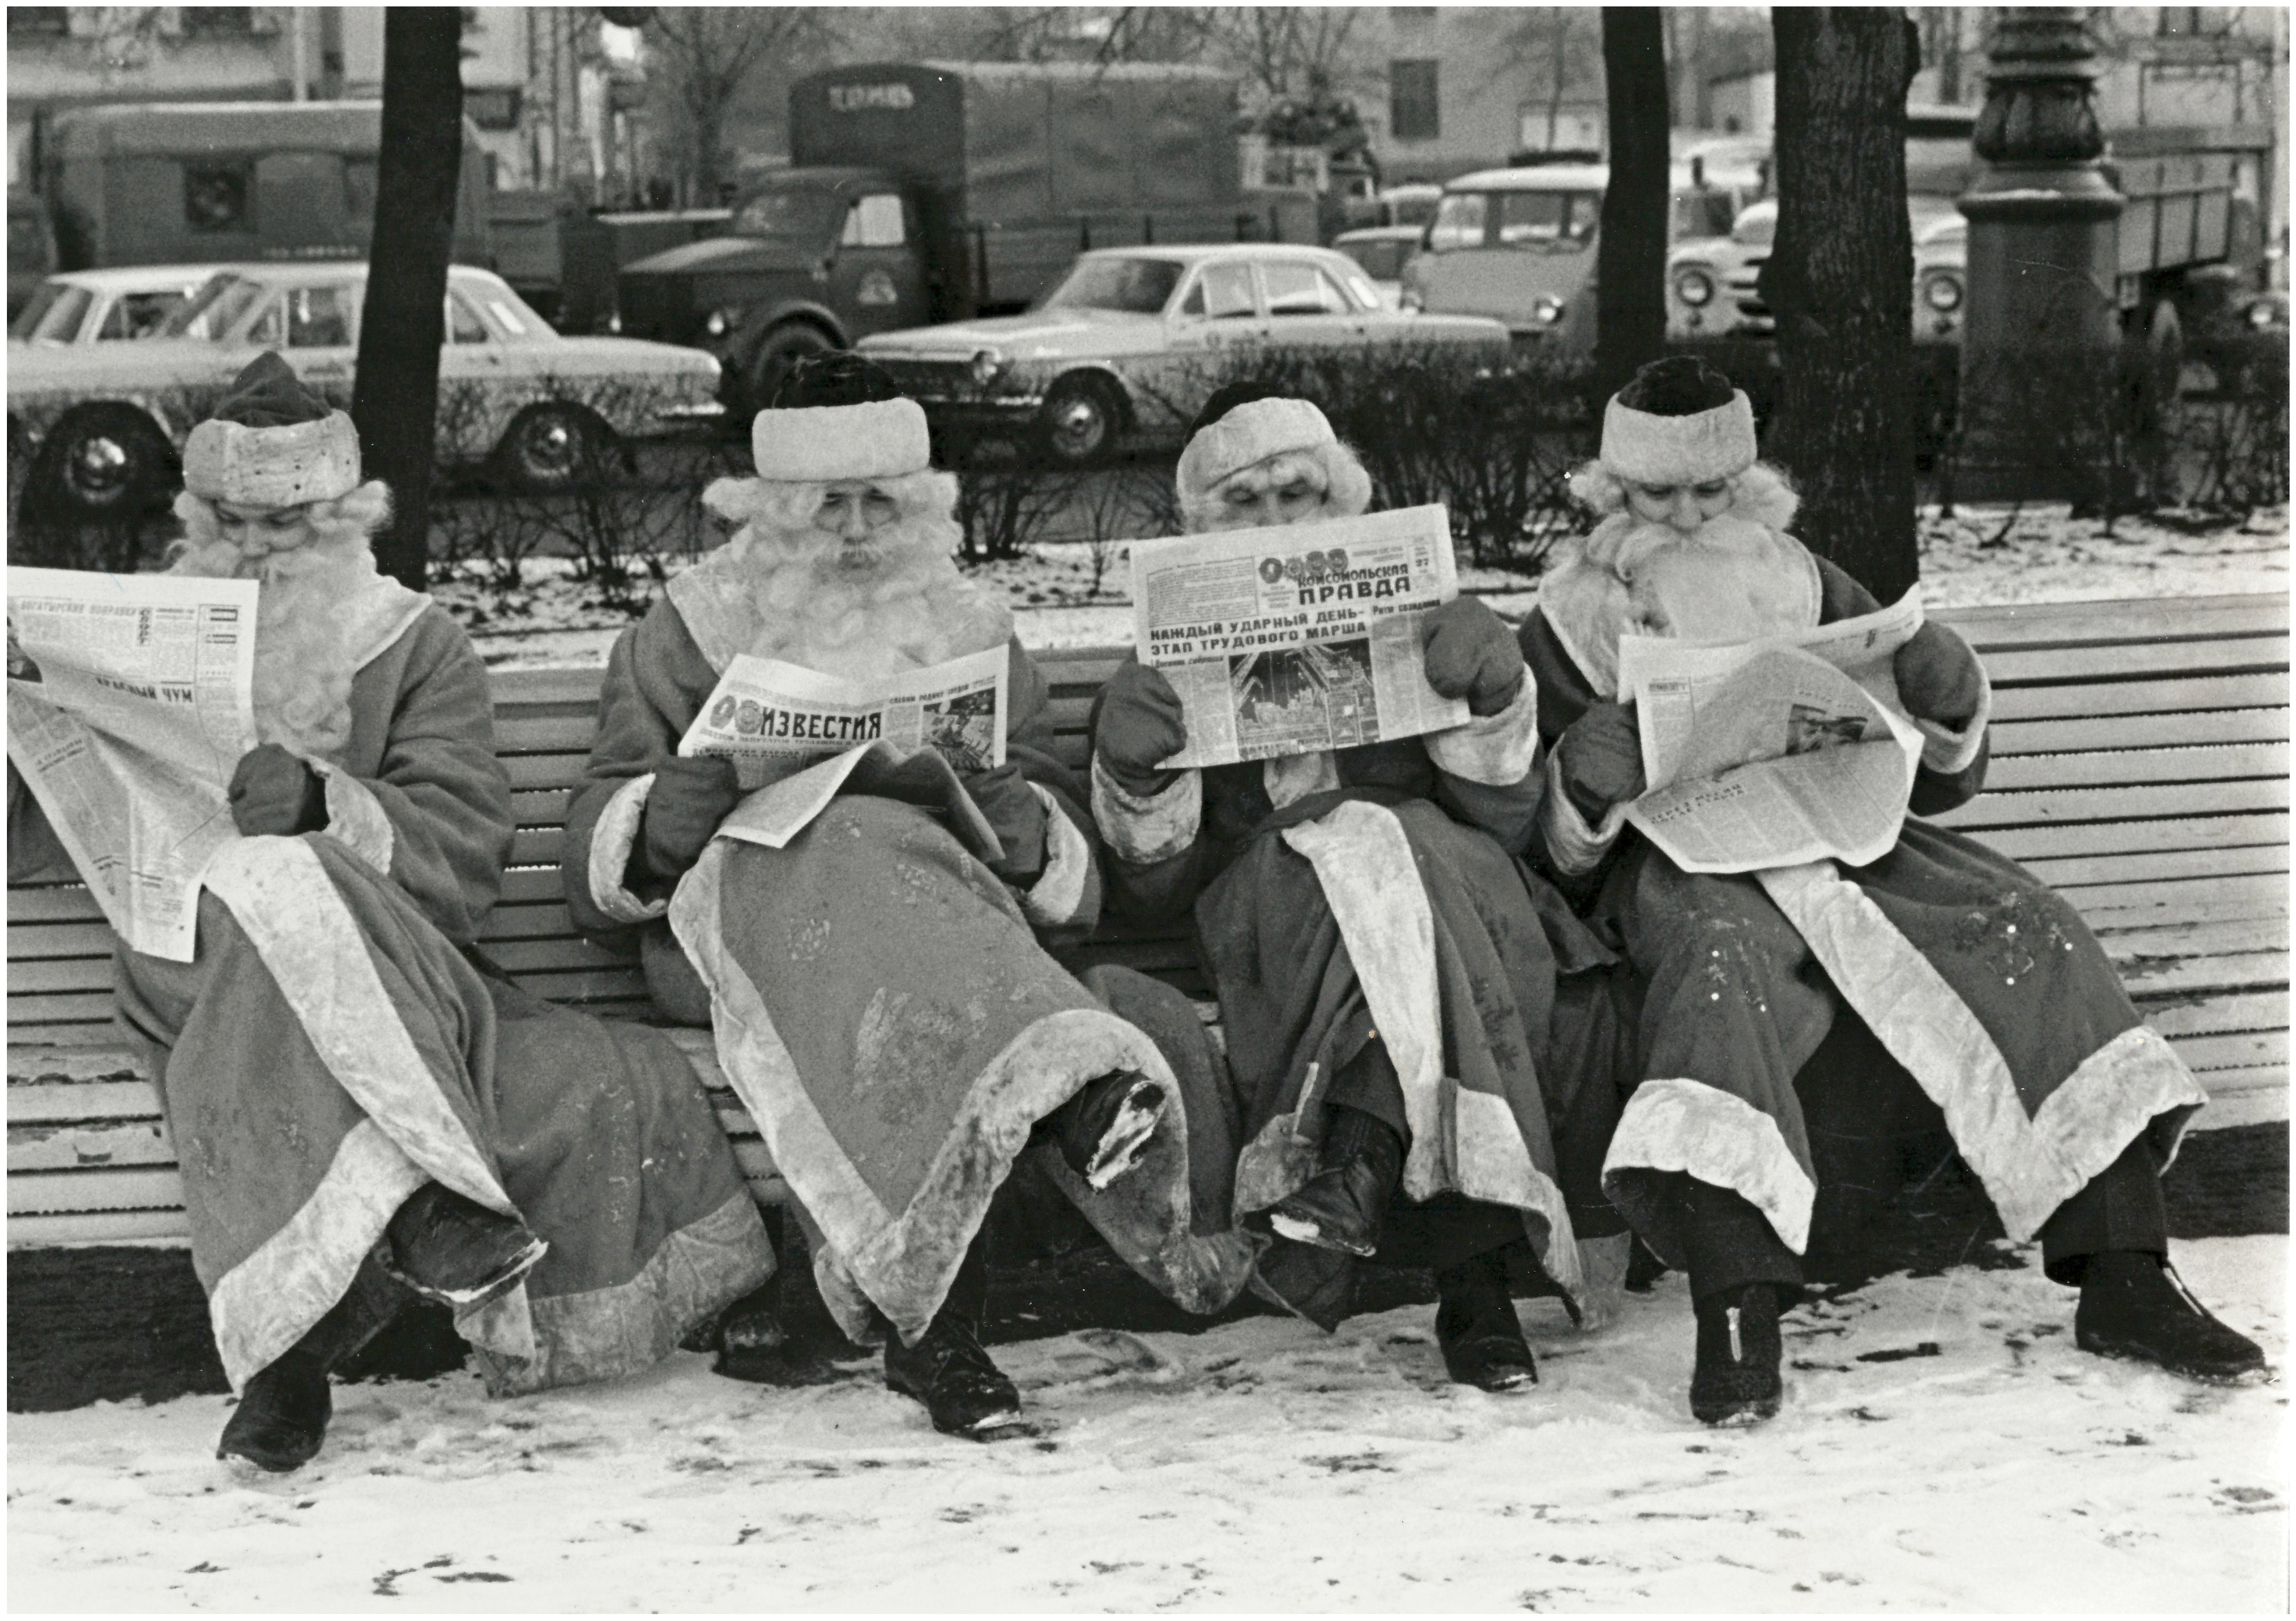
[(921, 192), (225, 182)]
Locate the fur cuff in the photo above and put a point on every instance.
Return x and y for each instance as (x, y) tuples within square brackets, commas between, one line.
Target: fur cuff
[(1497, 751), (1573, 846), (356, 817), (1066, 892), (1145, 829), (609, 855), (1695, 449), (1950, 752)]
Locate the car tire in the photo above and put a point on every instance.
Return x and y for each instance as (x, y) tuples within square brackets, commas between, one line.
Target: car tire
[(783, 347), (1080, 422), (551, 448), (101, 464)]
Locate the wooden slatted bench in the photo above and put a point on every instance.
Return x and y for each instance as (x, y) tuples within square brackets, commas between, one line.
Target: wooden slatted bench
[(2140, 764)]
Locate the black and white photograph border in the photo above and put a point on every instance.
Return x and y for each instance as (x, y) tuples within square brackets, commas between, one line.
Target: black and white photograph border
[(2008, 303)]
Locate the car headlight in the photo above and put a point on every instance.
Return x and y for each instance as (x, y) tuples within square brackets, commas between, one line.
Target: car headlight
[(2261, 315), (1694, 288), (1942, 293), (614, 322), (1547, 311), (722, 321), (987, 366)]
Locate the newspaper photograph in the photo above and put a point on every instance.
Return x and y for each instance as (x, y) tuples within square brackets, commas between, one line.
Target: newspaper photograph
[(130, 701), (1298, 639), (1772, 753), (774, 719)]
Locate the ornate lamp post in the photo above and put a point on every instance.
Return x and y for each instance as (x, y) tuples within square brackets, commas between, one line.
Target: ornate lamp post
[(2041, 342)]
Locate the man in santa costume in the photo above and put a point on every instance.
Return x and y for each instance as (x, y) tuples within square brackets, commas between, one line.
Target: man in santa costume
[(359, 1110), (1816, 1004), (1387, 970), (881, 1001)]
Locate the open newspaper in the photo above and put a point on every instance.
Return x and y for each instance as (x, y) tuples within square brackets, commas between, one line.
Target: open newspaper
[(796, 735), (1298, 639), (129, 704), (1772, 753)]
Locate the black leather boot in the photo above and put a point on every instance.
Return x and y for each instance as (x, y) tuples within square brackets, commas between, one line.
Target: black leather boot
[(281, 1417), (947, 1369), (1476, 1328), (1736, 1381), (2133, 1305), (1344, 1206), (448, 1249), (1318, 1285), (1103, 1128)]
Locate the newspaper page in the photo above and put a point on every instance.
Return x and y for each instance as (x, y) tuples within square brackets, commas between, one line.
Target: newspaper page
[(1298, 639), (774, 719), (1771, 753), (129, 704)]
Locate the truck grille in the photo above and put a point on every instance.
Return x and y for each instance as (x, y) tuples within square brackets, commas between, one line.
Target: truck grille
[(657, 306), (1753, 315)]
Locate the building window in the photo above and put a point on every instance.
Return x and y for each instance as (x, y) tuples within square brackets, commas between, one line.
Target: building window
[(492, 109), (53, 20), (2180, 22), (1412, 112), (218, 21), (215, 196)]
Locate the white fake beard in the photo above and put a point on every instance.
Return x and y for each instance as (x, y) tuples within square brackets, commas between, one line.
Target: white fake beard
[(1721, 582), (895, 602), (303, 669)]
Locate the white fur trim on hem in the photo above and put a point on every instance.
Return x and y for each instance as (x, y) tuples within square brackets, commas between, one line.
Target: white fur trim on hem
[(356, 818), (1288, 778), (1681, 1125), (610, 842), (1497, 751), (1952, 752), (271, 1299), (2029, 1165), (1145, 829), (1060, 894), (1573, 845)]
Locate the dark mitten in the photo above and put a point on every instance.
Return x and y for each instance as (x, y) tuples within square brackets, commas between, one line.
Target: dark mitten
[(1938, 676), (273, 791), (688, 799), (1012, 809), (1140, 725), (1470, 653), (1601, 755)]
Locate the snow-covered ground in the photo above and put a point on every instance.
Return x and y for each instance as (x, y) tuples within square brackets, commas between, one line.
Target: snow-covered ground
[(1261, 1466), (2031, 554)]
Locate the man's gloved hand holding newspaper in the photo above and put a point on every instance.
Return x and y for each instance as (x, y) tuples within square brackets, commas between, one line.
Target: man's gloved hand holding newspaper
[(1772, 753)]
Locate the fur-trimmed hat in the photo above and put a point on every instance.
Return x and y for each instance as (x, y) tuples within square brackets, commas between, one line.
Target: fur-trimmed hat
[(1678, 422), (1252, 432), (272, 443), (821, 444)]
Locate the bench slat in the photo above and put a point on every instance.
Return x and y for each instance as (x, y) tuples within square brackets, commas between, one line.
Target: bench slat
[(2055, 667), (2149, 976), (2106, 836), (2137, 765), (2246, 859), (2008, 740), (2218, 1015), (2151, 619), (2189, 901), (2186, 695), (2239, 935)]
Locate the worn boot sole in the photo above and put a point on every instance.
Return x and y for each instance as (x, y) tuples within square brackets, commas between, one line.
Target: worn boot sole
[(1300, 1230), (1126, 1136), (2119, 1349)]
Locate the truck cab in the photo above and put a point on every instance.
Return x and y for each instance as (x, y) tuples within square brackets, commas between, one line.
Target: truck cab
[(811, 259)]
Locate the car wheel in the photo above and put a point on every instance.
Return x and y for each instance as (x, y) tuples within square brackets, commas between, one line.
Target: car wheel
[(783, 349), (103, 462), (553, 447), (1080, 420)]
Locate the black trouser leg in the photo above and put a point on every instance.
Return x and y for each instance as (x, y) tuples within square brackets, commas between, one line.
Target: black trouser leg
[(968, 1291), (1729, 1244), (366, 1309), (2120, 1208), (1368, 1083)]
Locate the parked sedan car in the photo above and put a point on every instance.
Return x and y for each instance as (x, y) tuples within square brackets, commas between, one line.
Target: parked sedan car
[(104, 421), (1130, 344), (107, 306)]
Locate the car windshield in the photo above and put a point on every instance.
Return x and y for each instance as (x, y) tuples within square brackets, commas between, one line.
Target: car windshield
[(1139, 287), (789, 212), (214, 308), (1550, 222), (1704, 212), (54, 316), (1381, 257), (1755, 227)]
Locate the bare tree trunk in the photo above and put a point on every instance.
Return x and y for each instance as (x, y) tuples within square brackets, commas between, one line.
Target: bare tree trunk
[(1840, 279), (1630, 257), (395, 403)]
